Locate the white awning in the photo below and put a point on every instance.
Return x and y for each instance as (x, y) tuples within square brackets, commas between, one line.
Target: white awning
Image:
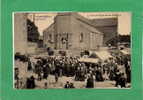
[(89, 60), (103, 55)]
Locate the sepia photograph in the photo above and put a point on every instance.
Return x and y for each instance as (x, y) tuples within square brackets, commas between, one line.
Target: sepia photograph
[(71, 50)]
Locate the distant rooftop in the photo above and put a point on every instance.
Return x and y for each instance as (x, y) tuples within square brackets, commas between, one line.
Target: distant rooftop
[(105, 22)]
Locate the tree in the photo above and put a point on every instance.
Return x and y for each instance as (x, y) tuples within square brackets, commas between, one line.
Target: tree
[(32, 30)]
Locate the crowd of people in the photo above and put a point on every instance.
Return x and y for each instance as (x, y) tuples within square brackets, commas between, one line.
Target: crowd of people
[(114, 69)]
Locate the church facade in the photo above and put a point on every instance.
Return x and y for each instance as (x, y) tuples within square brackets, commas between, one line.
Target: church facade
[(71, 31)]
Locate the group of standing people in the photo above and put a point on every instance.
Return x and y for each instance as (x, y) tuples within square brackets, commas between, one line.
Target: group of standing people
[(111, 69)]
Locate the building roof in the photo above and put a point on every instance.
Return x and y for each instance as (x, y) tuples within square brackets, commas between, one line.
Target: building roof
[(86, 21), (91, 22), (105, 22)]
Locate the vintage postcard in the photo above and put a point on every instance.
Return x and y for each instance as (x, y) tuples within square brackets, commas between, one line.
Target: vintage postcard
[(72, 50)]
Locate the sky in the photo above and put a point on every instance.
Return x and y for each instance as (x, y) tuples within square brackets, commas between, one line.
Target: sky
[(44, 19)]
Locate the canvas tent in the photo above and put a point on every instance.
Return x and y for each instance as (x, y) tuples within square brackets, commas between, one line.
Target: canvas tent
[(89, 60), (103, 55)]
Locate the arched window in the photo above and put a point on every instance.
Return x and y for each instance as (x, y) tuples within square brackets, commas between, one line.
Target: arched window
[(50, 37), (81, 37)]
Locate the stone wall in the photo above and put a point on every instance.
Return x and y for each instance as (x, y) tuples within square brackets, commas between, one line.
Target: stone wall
[(20, 33)]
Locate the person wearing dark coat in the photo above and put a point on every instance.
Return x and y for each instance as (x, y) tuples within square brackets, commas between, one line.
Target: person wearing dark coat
[(117, 78), (90, 82), (30, 83), (39, 72), (99, 74), (72, 85), (67, 85), (77, 74), (46, 71), (29, 68), (122, 81), (56, 77), (128, 72)]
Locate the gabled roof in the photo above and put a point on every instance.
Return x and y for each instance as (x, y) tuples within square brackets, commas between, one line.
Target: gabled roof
[(92, 22), (80, 18), (95, 23), (86, 21)]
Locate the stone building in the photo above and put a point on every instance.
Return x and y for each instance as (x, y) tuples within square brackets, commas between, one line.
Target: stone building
[(20, 33), (71, 31), (108, 26)]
